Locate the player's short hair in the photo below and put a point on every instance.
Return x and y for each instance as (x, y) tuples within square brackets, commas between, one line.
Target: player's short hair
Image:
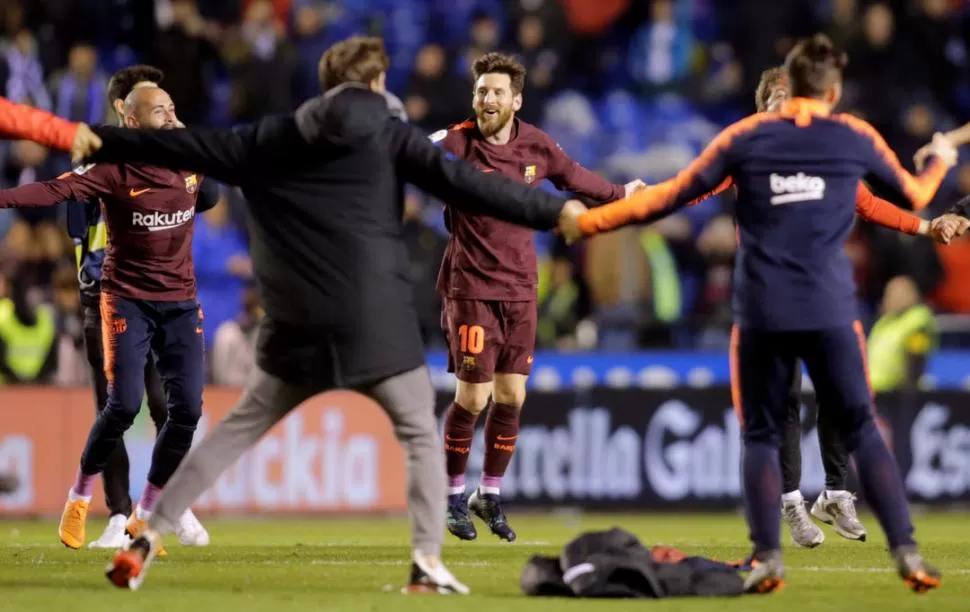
[(814, 65), (769, 80), (359, 59), (123, 81), (500, 63)]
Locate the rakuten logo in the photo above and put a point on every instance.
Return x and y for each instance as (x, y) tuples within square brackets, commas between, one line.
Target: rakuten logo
[(797, 188), (157, 221)]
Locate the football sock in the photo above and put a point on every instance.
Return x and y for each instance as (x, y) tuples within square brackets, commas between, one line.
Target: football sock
[(459, 431), (501, 434), (83, 483), (149, 497)]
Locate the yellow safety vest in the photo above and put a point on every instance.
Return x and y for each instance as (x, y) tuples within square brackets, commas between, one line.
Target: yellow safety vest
[(892, 338), (26, 347)]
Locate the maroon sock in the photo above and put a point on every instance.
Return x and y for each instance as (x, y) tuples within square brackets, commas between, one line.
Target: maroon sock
[(501, 433), (459, 430)]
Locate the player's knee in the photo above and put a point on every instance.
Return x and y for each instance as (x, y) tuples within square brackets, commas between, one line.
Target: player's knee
[(473, 397), (185, 413), (510, 389), (122, 411)]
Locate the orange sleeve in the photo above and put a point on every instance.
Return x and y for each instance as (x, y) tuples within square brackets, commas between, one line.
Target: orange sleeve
[(726, 184), (919, 190), (881, 212), (21, 122)]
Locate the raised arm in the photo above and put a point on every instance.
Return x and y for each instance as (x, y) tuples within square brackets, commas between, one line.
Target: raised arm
[(21, 122), (460, 183), (83, 183), (222, 154), (883, 164), (703, 177)]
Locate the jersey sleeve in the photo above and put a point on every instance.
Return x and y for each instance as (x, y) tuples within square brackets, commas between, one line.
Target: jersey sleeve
[(83, 183), (21, 122), (879, 211), (883, 164), (567, 175), (702, 177)]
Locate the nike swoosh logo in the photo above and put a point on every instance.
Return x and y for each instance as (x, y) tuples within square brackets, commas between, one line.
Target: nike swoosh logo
[(135, 193), (450, 439), (505, 438)]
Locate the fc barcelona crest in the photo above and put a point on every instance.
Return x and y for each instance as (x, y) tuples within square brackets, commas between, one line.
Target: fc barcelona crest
[(191, 183), (530, 174)]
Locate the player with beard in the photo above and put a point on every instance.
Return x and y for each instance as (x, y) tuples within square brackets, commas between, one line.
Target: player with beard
[(488, 281), (148, 305)]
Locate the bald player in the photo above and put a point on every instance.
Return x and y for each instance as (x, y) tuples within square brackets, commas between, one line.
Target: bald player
[(148, 305)]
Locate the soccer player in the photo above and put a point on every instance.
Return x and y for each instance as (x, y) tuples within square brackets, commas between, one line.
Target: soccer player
[(323, 192), (796, 171), (87, 228), (488, 281), (148, 305)]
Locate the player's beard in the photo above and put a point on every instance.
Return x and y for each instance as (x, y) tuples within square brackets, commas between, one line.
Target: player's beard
[(489, 125)]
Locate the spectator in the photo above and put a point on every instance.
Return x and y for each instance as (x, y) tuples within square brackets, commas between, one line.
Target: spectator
[(222, 267), (80, 91), (28, 334), (264, 67), (435, 98), (234, 346), (543, 64), (187, 57), (660, 54), (25, 78), (875, 78), (72, 365), (483, 38)]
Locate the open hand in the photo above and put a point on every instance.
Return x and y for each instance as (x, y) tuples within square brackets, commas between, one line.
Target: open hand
[(86, 143), (632, 187), (941, 147)]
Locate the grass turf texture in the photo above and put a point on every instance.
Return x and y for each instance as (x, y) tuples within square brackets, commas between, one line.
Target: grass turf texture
[(359, 565)]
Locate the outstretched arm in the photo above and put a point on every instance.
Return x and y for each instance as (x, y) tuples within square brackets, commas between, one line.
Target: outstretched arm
[(883, 164), (703, 177), (456, 181), (21, 122), (218, 153), (879, 211), (83, 183), (568, 175)]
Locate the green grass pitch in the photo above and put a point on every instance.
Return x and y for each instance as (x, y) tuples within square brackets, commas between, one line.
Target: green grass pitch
[(330, 564)]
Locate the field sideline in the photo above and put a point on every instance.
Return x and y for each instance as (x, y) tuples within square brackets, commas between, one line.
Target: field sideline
[(359, 564)]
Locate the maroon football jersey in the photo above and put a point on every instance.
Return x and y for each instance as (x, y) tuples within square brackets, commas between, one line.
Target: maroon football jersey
[(149, 215), (490, 259)]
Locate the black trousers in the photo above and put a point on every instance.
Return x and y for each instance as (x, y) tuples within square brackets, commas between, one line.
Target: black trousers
[(115, 476), (835, 458)]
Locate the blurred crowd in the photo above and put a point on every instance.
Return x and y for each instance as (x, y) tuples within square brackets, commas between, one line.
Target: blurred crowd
[(629, 88)]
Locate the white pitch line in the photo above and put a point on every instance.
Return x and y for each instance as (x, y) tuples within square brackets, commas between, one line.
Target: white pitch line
[(867, 570)]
